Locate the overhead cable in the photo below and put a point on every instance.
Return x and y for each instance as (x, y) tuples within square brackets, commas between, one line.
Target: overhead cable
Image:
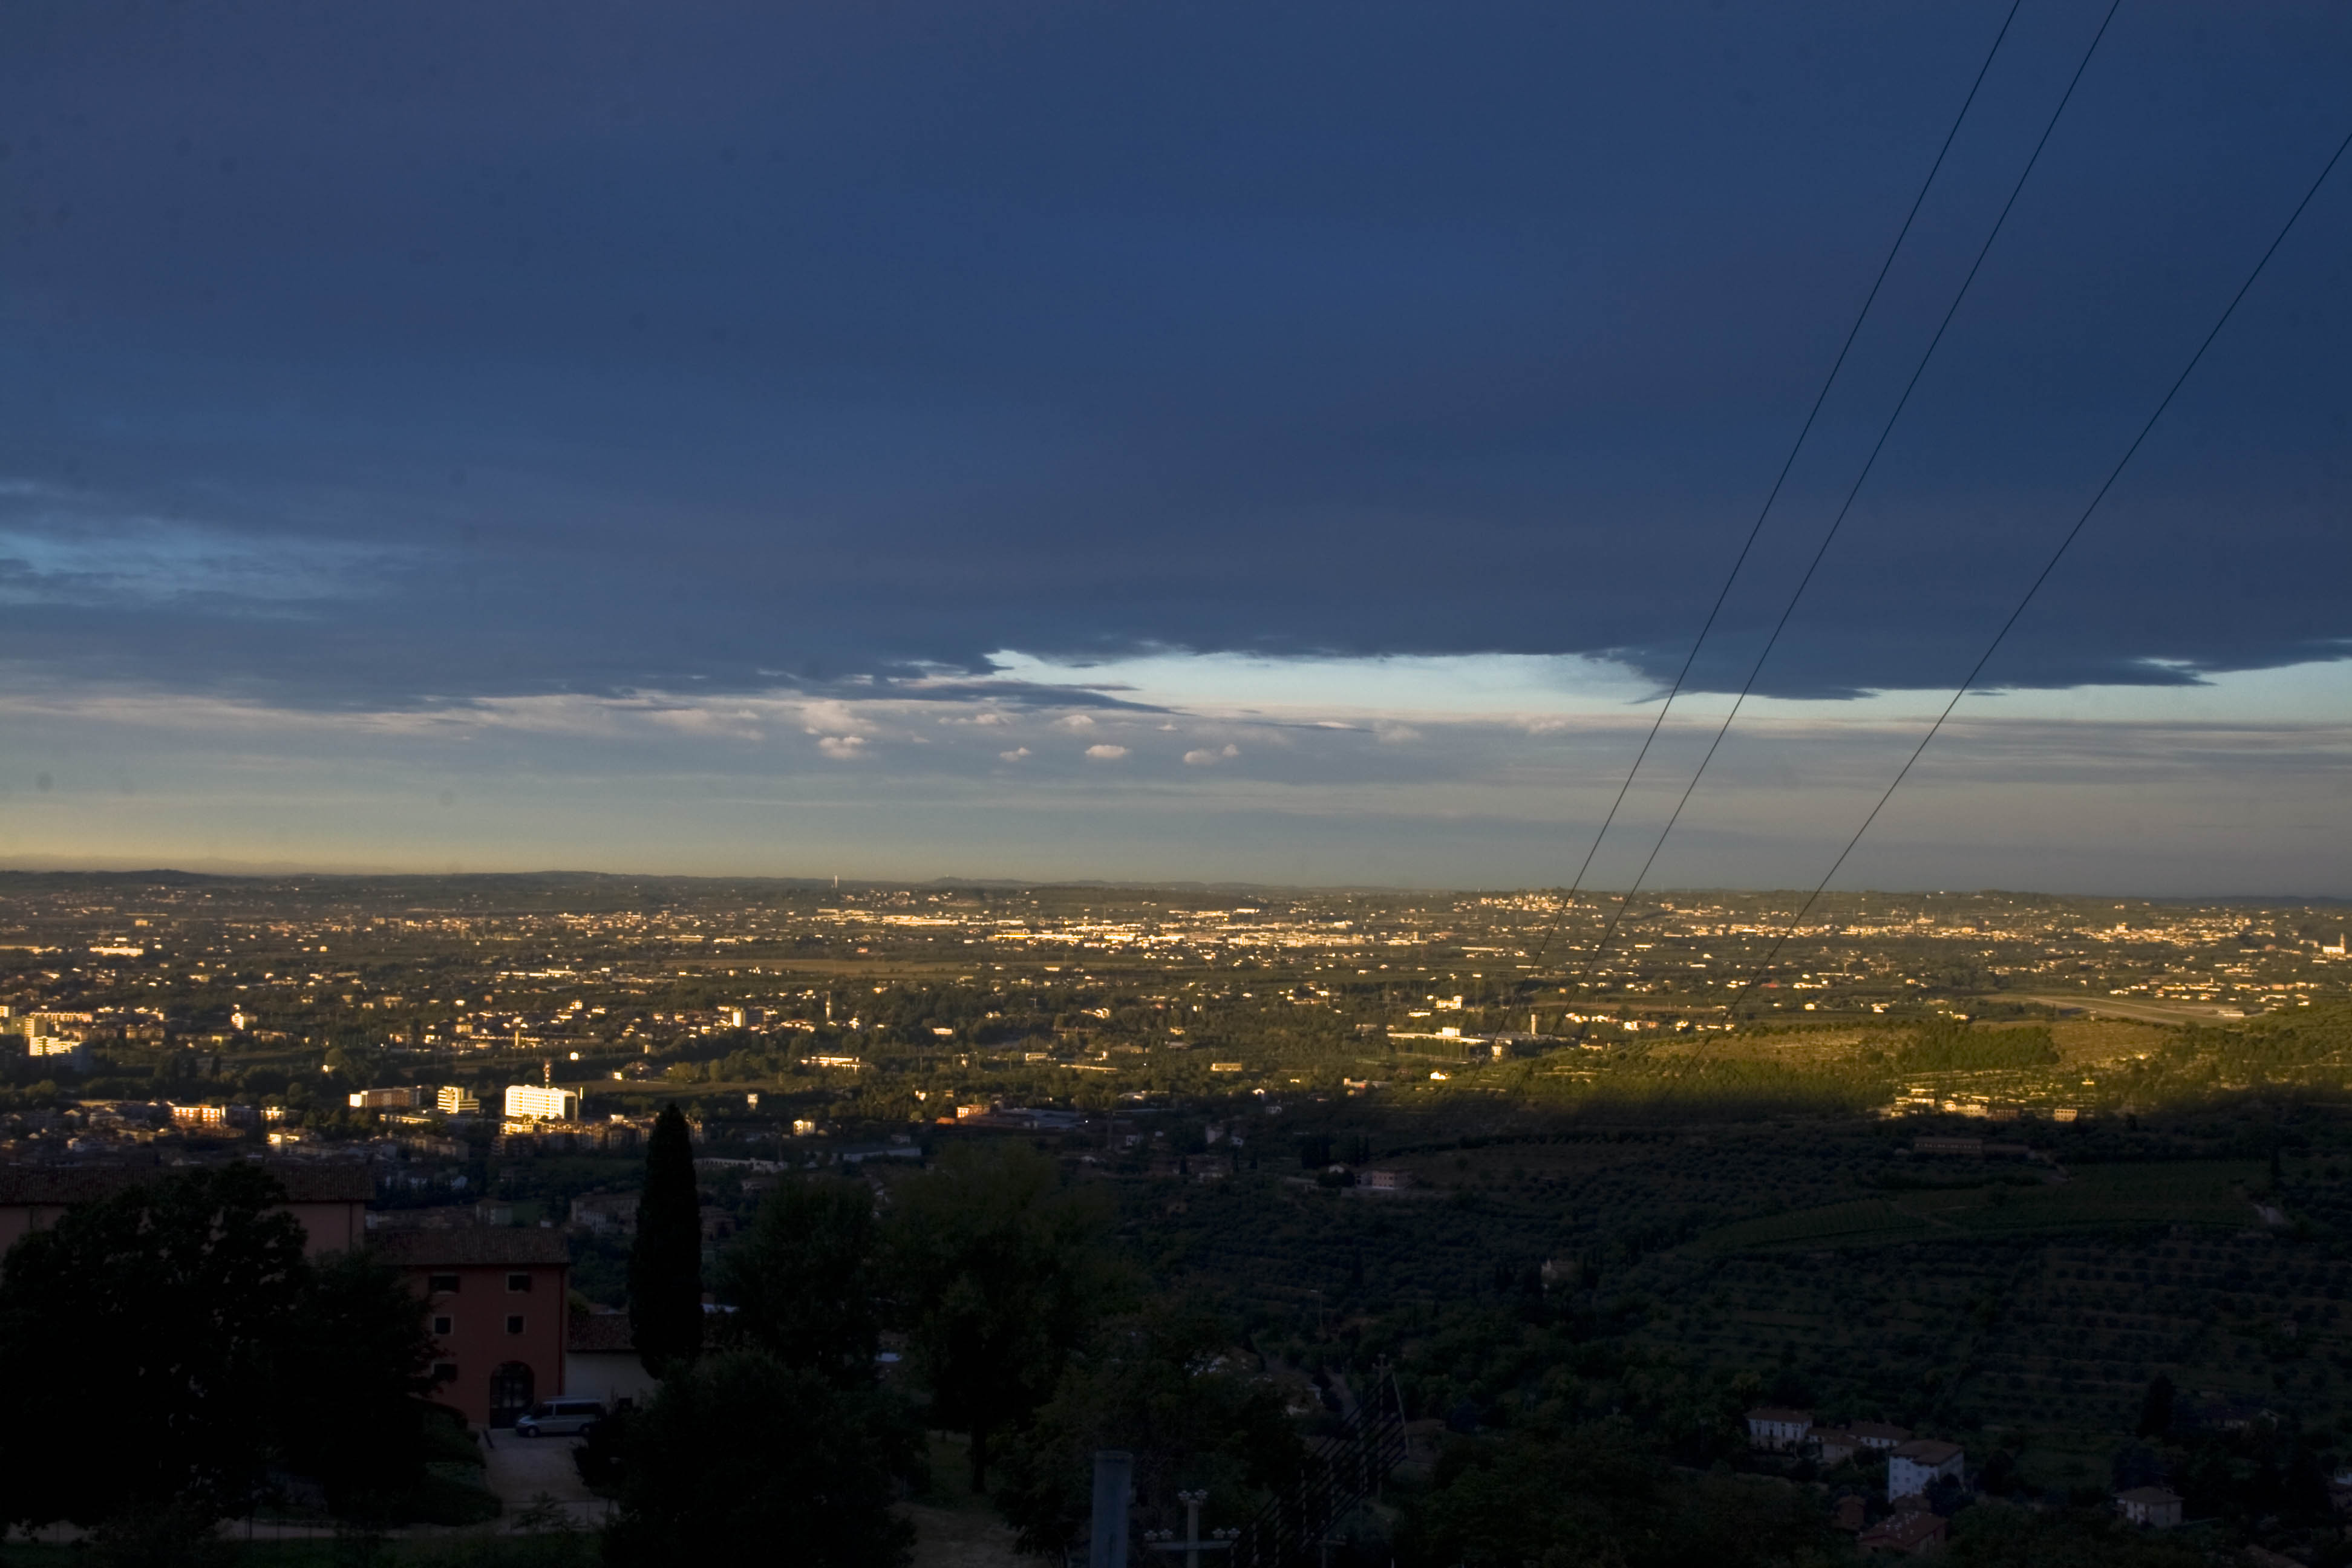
[(2048, 567), (1778, 480), (1787, 610)]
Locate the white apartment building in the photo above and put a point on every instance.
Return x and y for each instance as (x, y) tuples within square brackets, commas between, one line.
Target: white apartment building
[(530, 1103)]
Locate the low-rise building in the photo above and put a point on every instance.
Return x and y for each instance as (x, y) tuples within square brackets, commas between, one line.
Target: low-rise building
[(215, 1118), (1769, 1427), (69, 1051), (1915, 1532), (601, 1361), (1913, 1467), (327, 1198), (2156, 1507), (496, 1307), (1879, 1436), (1835, 1445), (604, 1211), (1962, 1146)]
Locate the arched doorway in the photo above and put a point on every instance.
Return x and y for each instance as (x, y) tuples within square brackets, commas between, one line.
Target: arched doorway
[(511, 1393)]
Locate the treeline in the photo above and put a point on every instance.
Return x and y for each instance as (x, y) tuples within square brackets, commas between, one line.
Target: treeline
[(776, 1435), (172, 1356)]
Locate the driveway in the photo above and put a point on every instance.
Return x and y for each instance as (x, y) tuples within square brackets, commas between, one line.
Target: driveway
[(527, 1471)]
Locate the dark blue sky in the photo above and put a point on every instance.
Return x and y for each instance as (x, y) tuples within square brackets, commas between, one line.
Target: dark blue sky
[(386, 357)]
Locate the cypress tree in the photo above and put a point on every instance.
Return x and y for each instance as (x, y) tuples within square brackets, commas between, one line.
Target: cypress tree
[(2155, 1408), (666, 1263)]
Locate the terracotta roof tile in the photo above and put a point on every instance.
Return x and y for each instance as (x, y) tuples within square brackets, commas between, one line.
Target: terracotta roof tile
[(482, 1246), (306, 1181)]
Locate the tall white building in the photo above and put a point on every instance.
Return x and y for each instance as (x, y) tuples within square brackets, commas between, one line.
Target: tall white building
[(530, 1103)]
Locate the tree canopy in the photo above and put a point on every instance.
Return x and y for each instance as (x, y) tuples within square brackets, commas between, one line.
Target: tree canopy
[(804, 1279), (1170, 1387), (997, 1269), (176, 1329), (741, 1459)]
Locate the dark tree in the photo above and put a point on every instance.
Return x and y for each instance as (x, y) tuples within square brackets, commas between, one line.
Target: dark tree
[(999, 1270), (1591, 1494), (803, 1281), (139, 1333), (1171, 1387), (2156, 1407), (349, 1386), (665, 1264), (741, 1459), (2001, 1535)]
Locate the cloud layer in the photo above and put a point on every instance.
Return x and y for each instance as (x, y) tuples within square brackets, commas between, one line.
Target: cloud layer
[(1291, 440), (660, 355)]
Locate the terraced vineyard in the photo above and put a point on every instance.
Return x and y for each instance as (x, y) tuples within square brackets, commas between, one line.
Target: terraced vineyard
[(2206, 1194), (2230, 1319)]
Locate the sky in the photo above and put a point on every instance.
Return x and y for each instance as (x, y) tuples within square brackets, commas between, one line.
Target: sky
[(1288, 442)]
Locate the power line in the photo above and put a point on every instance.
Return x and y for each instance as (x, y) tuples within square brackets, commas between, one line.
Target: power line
[(2047, 567), (1837, 522), (1780, 480)]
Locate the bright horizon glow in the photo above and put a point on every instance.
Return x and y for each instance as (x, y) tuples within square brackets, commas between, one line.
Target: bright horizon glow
[(1457, 771)]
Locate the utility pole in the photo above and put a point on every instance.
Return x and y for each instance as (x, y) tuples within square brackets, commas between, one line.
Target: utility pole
[(1107, 1538)]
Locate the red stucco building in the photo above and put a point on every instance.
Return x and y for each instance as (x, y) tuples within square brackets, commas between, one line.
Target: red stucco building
[(495, 1295), (495, 1303)]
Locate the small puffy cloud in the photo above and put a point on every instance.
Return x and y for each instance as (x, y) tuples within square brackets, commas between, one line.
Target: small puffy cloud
[(841, 748), (1106, 753), (1389, 732), (1015, 755), (1076, 721), (1205, 757), (832, 718)]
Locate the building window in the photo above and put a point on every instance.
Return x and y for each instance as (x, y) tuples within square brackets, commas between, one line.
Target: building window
[(443, 1325), (443, 1285), (519, 1282), (514, 1323)]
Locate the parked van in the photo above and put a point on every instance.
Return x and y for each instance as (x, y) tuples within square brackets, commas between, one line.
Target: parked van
[(559, 1419)]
